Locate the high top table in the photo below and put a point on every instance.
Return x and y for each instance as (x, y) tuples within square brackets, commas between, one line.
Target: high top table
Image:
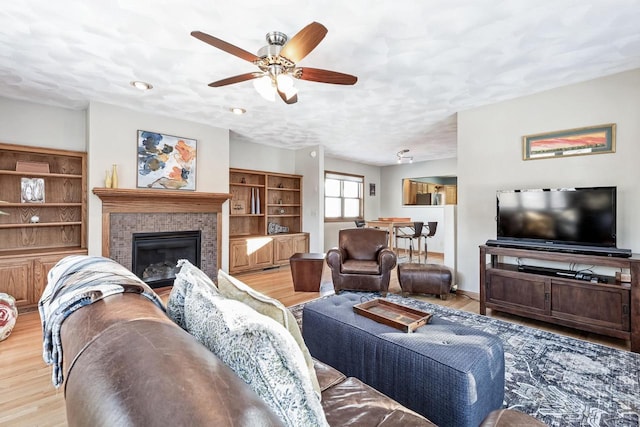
[(391, 224)]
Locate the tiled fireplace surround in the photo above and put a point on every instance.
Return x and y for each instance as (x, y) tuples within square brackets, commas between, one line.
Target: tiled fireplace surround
[(123, 225), (128, 211)]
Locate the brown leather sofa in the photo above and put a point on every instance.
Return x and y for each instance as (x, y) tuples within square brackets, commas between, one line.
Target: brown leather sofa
[(362, 261), (127, 364)]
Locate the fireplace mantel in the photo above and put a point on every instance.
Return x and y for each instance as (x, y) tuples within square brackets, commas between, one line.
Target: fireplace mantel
[(150, 201), (147, 200)]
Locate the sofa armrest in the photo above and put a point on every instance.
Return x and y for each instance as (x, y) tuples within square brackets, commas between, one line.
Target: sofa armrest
[(135, 367), (352, 402), (387, 260), (88, 322), (335, 257), (327, 375)]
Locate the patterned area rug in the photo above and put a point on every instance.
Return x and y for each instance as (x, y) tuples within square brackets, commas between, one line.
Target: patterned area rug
[(559, 380)]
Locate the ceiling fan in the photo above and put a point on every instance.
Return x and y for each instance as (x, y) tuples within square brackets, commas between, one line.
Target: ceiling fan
[(277, 63)]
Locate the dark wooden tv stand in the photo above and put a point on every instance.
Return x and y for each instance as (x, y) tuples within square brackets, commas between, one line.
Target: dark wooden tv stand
[(606, 307)]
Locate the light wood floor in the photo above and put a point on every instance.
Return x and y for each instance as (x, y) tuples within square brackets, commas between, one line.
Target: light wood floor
[(28, 398)]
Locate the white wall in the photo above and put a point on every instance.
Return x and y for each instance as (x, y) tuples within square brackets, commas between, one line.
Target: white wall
[(37, 125), (112, 139), (310, 164), (371, 203), (391, 200), (247, 155), (490, 157)]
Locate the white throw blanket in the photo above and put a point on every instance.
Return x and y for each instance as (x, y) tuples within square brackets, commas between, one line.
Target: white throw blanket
[(74, 282)]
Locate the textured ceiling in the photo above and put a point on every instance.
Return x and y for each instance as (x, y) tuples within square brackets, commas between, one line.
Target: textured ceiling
[(418, 62)]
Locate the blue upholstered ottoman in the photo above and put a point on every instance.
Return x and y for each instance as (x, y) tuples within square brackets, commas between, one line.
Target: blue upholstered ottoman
[(451, 374)]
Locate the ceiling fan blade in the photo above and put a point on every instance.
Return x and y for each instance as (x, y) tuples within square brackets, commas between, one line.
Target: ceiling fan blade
[(304, 42), (325, 76), (227, 47), (237, 79), (291, 100)]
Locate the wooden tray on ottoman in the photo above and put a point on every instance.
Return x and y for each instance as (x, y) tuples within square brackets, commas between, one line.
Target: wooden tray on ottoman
[(398, 316)]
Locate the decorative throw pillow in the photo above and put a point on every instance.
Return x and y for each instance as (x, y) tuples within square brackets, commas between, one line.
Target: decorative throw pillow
[(8, 315), (258, 350), (188, 277), (233, 288)]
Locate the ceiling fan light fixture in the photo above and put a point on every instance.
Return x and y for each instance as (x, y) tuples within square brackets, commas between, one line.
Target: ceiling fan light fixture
[(279, 57), (284, 82), (291, 92), (264, 86)]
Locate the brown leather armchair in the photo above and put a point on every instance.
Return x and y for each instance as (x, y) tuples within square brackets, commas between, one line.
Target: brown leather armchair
[(362, 261)]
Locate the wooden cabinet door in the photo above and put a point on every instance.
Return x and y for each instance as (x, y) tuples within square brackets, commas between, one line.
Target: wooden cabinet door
[(262, 254), (451, 194), (286, 246), (300, 243), (283, 249), (15, 280), (524, 292), (41, 269), (413, 190), (250, 254), (238, 256), (591, 304)]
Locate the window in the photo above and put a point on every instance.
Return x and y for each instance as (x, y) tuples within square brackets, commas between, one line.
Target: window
[(343, 197)]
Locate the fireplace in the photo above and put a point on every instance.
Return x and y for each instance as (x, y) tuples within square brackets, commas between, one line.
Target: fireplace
[(128, 211), (155, 255)]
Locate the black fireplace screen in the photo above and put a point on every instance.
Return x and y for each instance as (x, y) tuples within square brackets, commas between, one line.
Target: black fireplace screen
[(155, 255)]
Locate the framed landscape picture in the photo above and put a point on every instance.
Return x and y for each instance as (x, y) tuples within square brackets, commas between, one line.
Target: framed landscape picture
[(166, 161), (572, 142)]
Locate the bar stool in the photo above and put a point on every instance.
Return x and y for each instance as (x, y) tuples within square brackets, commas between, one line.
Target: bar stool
[(432, 227), (417, 234)]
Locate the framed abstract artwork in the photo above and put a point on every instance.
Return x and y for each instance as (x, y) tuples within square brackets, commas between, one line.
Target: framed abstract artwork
[(32, 190), (572, 142), (166, 161)]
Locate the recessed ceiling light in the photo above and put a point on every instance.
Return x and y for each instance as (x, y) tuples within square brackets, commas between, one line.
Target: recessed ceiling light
[(141, 85), (238, 111)]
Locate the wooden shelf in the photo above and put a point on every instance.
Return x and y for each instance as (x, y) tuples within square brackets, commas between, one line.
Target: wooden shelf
[(282, 189), (39, 205), (240, 184), (40, 224), (122, 200), (41, 174), (63, 250), (29, 250), (248, 235), (273, 192)]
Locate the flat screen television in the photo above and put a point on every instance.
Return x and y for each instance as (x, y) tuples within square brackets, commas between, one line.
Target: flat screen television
[(564, 216)]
